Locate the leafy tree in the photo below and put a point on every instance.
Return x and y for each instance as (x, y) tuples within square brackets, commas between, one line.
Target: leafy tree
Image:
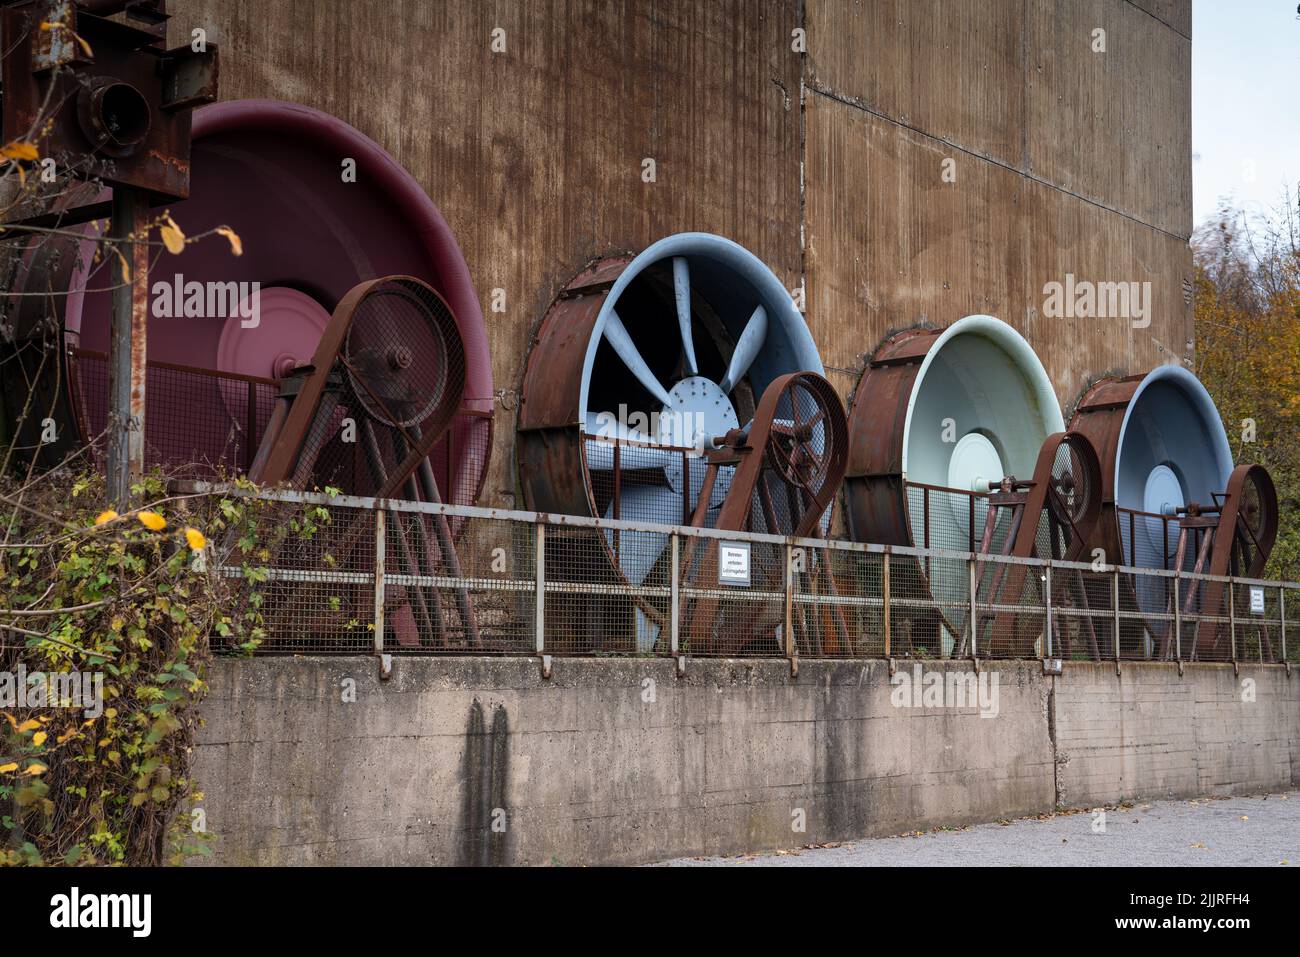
[(1247, 315)]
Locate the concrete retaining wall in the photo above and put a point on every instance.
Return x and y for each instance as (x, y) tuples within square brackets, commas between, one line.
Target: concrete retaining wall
[(1150, 733), (483, 761)]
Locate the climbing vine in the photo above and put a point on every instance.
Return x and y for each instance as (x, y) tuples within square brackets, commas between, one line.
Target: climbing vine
[(106, 626)]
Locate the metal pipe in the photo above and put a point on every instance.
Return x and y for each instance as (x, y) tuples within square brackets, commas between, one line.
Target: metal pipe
[(126, 368), (884, 585), (539, 585), (379, 581)]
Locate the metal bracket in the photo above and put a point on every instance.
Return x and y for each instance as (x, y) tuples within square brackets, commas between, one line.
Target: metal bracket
[(1287, 664), (546, 666), (385, 666), (681, 665), (1236, 669), (893, 666), (1053, 666), (1119, 668), (794, 666)]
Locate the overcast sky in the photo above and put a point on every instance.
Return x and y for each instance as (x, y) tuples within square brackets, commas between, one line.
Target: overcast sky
[(1245, 102)]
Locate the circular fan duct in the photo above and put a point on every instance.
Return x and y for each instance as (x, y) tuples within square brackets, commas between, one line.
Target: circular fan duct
[(280, 175), (1172, 500), (941, 418), (639, 365), (1162, 447)]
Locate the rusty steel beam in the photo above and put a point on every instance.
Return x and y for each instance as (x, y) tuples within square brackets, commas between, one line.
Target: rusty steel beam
[(128, 336)]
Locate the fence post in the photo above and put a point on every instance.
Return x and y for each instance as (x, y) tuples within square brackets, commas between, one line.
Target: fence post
[(884, 583), (1232, 618), (790, 649), (974, 615), (380, 547), (1281, 615), (539, 585), (1047, 593), (1178, 616), (674, 585), (1114, 604)]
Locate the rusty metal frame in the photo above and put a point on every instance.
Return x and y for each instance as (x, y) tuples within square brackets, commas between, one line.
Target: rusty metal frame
[(752, 454)]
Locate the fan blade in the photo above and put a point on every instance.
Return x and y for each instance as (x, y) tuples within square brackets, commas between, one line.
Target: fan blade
[(638, 551), (600, 446), (682, 292), (747, 349), (619, 338)]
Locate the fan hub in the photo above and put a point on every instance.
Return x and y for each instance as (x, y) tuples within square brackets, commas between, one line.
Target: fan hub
[(974, 463), (1163, 494), (698, 411), (399, 357)]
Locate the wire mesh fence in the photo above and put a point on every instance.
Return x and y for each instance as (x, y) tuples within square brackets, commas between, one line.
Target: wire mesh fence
[(424, 578), (220, 435)]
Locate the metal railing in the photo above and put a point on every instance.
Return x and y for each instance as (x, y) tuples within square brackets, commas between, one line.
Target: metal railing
[(391, 577)]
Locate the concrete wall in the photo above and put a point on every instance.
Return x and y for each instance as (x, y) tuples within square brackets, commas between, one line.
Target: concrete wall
[(621, 761), (1150, 733)]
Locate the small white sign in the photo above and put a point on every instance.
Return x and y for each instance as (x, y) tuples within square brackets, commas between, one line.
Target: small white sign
[(733, 563), (1256, 600)]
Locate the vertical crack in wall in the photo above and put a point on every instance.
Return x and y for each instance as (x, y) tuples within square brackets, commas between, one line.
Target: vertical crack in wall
[(1058, 796)]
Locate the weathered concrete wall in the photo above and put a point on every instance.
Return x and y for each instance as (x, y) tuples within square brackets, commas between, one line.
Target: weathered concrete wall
[(620, 761), (1150, 733)]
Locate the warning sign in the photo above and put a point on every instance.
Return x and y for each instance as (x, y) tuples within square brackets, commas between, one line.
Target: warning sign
[(733, 563)]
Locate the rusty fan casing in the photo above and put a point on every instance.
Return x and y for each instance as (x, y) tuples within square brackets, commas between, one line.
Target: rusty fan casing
[(552, 460), (875, 493)]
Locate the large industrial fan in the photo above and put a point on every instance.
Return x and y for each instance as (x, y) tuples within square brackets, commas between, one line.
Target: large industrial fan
[(639, 365), (278, 174), (1173, 500), (957, 442)]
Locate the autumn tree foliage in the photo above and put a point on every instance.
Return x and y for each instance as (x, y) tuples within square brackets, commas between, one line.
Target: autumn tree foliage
[(1247, 316)]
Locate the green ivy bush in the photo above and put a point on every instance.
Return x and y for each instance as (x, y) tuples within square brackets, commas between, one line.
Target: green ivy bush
[(137, 598)]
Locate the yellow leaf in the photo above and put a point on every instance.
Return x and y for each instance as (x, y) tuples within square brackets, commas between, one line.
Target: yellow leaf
[(152, 521), (35, 769), (126, 266), (13, 722), (195, 539), (84, 46), (172, 236), (31, 724), (105, 516), (236, 244), (65, 735), (6, 768), (18, 150), (39, 738)]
